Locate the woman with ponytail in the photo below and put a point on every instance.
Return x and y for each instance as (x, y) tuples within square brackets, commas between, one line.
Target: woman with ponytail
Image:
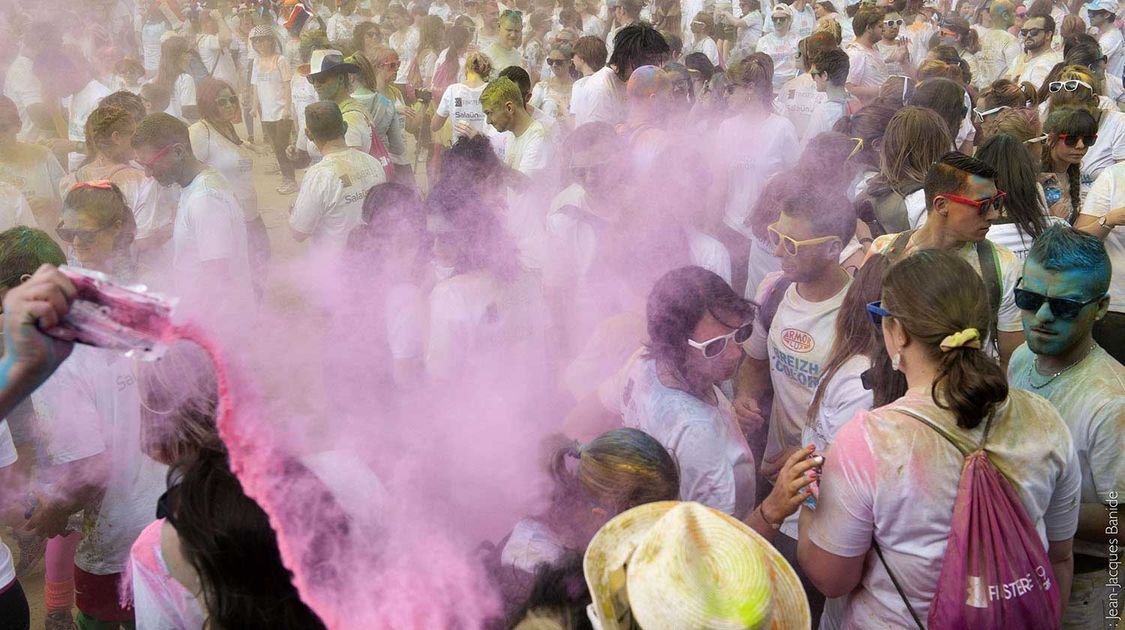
[(109, 156), (891, 479)]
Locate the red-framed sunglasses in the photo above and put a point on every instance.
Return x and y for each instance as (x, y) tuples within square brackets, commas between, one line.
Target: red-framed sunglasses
[(156, 158), (1071, 139), (983, 206)]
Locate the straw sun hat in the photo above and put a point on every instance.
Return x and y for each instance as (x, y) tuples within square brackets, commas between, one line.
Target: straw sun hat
[(682, 566)]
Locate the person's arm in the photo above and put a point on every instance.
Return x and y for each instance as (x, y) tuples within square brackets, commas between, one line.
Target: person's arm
[(83, 482), (224, 34), (30, 356), (832, 575), (1091, 224), (786, 497), (1061, 554)]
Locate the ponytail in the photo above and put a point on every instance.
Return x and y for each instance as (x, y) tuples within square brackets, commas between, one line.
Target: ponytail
[(1030, 94), (939, 300), (969, 384)]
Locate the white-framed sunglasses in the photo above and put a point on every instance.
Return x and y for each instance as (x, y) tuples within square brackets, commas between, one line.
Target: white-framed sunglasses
[(981, 115), (714, 347), (1069, 86), (892, 23), (1036, 139), (905, 84)]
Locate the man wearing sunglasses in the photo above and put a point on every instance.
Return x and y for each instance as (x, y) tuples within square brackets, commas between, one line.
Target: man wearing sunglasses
[(961, 203), (1038, 57), (789, 347), (209, 234), (1103, 17), (1061, 296)]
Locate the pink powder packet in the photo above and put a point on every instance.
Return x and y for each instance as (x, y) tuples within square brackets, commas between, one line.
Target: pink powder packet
[(109, 314)]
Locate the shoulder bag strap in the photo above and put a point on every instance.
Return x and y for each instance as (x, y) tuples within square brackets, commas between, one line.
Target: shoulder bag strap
[(898, 587), (899, 245), (990, 273), (933, 425)]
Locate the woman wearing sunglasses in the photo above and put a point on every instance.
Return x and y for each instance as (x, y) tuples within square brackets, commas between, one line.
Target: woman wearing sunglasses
[(99, 229), (552, 94), (906, 475), (1078, 87), (697, 325), (1070, 134)]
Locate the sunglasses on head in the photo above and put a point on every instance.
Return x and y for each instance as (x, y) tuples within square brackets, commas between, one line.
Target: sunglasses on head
[(1062, 308), (892, 23), (792, 246), (876, 313), (1031, 32), (1069, 86), (981, 114), (1071, 139), (714, 347), (983, 206)]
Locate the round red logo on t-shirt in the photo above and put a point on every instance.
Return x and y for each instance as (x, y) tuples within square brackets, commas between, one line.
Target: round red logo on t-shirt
[(797, 340)]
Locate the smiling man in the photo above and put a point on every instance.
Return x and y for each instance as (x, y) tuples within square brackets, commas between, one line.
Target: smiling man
[(1062, 295), (961, 203)]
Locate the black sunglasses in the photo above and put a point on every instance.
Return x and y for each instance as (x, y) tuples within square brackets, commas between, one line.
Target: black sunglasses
[(1071, 139), (1031, 32), (557, 62), (1061, 308)]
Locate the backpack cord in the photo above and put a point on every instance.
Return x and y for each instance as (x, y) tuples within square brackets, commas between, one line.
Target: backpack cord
[(898, 587)]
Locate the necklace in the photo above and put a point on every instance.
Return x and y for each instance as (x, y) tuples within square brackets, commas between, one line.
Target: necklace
[(1031, 372)]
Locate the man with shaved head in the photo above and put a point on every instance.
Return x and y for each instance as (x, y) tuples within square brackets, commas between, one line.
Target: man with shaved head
[(330, 202)]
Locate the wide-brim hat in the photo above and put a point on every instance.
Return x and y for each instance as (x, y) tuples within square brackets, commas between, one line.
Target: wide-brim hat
[(324, 62), (676, 565)]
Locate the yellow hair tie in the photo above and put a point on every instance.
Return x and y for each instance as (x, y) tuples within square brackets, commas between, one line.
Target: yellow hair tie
[(968, 338)]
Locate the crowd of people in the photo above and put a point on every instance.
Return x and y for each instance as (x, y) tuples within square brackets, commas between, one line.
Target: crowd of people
[(799, 294)]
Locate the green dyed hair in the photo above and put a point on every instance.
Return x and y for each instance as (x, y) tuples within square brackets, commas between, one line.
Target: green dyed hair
[(22, 251), (501, 91)]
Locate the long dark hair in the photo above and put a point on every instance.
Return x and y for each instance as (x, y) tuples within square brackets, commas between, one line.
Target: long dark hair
[(855, 336), (1074, 121), (226, 537), (945, 97), (1016, 176), (389, 210), (933, 294)]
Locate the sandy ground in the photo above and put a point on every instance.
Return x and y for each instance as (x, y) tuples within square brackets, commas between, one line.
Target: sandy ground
[(275, 213)]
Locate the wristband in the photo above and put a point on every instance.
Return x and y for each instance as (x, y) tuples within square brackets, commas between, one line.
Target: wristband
[(762, 514)]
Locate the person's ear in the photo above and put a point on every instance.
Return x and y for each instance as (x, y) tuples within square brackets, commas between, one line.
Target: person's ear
[(1103, 308), (898, 333), (941, 206)]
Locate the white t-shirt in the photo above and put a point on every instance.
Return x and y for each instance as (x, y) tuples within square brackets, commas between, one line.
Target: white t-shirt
[(1011, 236), (461, 103), (14, 211), (210, 225), (1011, 269), (999, 51), (1108, 150), (503, 57), (405, 309), (476, 317), (783, 51), (890, 50), (708, 47), (8, 456), (1113, 47), (23, 87), (530, 152), (716, 464), (302, 94), (752, 151), (216, 59), (341, 27), (91, 406), (1107, 193), (1090, 397), (329, 204), (598, 97), (796, 345), (272, 88), (750, 31), (152, 35), (797, 99), (824, 116), (35, 172), (406, 45), (844, 396), (890, 478), (1036, 69), (234, 162), (183, 95), (866, 66)]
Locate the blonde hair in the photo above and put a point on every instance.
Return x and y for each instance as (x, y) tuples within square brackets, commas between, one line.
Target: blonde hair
[(479, 64), (1080, 97), (829, 25), (621, 469), (101, 124)]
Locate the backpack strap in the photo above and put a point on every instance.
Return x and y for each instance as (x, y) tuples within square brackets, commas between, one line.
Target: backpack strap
[(772, 301), (990, 272), (898, 587)]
